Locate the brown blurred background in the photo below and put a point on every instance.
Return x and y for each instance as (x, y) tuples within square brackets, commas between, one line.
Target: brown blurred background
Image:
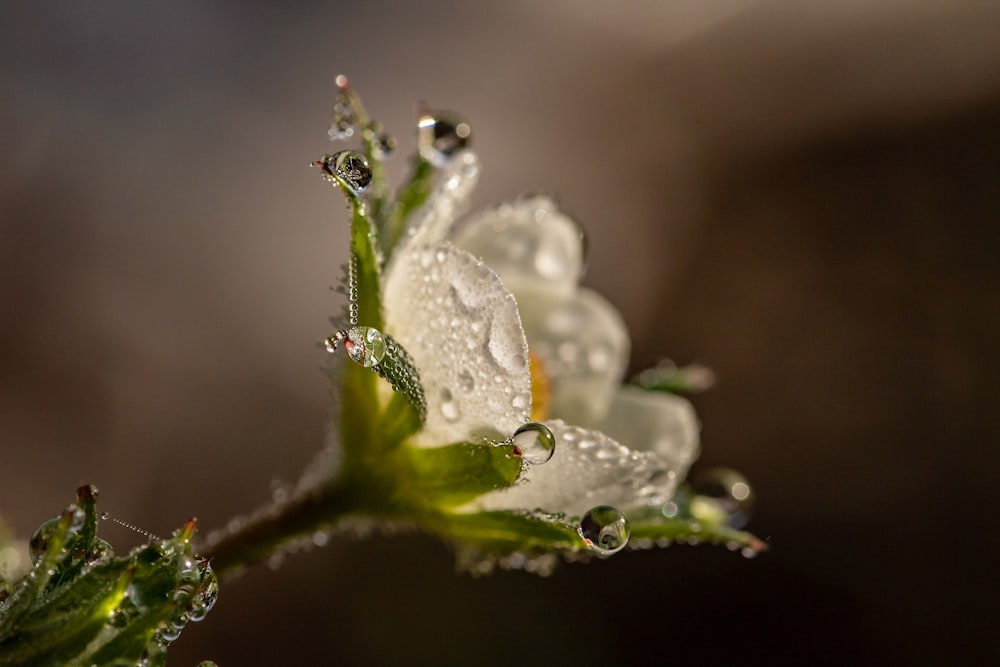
[(801, 195)]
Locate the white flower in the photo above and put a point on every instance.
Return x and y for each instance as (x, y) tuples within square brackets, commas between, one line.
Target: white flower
[(452, 298)]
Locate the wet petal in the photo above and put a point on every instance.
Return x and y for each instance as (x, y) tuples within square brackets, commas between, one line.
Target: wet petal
[(529, 242), (657, 422), (583, 347), (461, 326), (449, 199), (588, 469)]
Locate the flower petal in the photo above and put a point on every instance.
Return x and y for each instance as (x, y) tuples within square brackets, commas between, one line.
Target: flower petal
[(529, 242), (587, 469), (655, 422), (462, 329), (583, 346), (448, 200)]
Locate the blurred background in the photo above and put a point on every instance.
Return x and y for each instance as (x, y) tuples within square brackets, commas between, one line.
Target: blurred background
[(801, 195)]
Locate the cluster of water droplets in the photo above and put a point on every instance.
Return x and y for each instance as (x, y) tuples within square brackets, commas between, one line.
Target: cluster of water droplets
[(478, 563), (345, 121), (196, 591), (464, 333)]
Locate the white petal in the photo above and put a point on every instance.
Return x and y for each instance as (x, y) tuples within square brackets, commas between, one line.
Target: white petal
[(461, 326), (584, 348), (529, 242), (448, 200), (655, 422), (587, 469)]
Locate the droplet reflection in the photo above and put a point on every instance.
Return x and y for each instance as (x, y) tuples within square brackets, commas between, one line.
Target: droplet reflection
[(440, 135), (605, 529), (725, 491), (534, 442), (349, 168)]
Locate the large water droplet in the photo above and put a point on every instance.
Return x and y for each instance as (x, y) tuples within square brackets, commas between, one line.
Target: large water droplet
[(206, 596), (39, 542), (364, 345), (350, 168), (723, 490), (535, 442), (100, 552), (440, 135), (605, 529)]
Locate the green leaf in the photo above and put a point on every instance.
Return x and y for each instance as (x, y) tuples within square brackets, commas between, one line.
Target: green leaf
[(364, 245), (80, 605), (668, 377), (508, 531), (694, 520), (455, 474), (411, 196)]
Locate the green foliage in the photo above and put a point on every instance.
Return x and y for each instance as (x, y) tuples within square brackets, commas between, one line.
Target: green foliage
[(81, 605)]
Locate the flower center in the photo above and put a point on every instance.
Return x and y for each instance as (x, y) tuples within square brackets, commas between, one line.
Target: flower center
[(541, 388)]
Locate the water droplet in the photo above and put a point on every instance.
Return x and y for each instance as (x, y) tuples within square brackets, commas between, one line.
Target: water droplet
[(466, 381), (605, 529), (207, 594), (383, 145), (100, 552), (364, 345), (440, 136), (350, 168), (724, 490), (449, 408), (39, 542), (535, 442), (343, 119), (105, 516)]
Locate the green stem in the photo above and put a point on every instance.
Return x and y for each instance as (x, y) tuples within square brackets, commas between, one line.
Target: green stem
[(379, 188), (265, 534)]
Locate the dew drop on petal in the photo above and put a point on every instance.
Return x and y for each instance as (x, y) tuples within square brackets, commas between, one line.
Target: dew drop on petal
[(449, 407), (728, 491), (605, 529), (440, 136), (466, 381), (535, 442)]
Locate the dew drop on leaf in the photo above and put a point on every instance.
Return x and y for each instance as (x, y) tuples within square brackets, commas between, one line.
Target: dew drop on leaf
[(100, 552), (364, 345), (723, 490), (350, 168), (535, 442), (40, 539), (605, 529)]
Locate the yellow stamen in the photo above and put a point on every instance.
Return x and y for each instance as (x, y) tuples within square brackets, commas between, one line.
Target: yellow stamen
[(541, 388)]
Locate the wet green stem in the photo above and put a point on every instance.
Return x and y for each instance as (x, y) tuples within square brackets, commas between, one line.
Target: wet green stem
[(265, 535)]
